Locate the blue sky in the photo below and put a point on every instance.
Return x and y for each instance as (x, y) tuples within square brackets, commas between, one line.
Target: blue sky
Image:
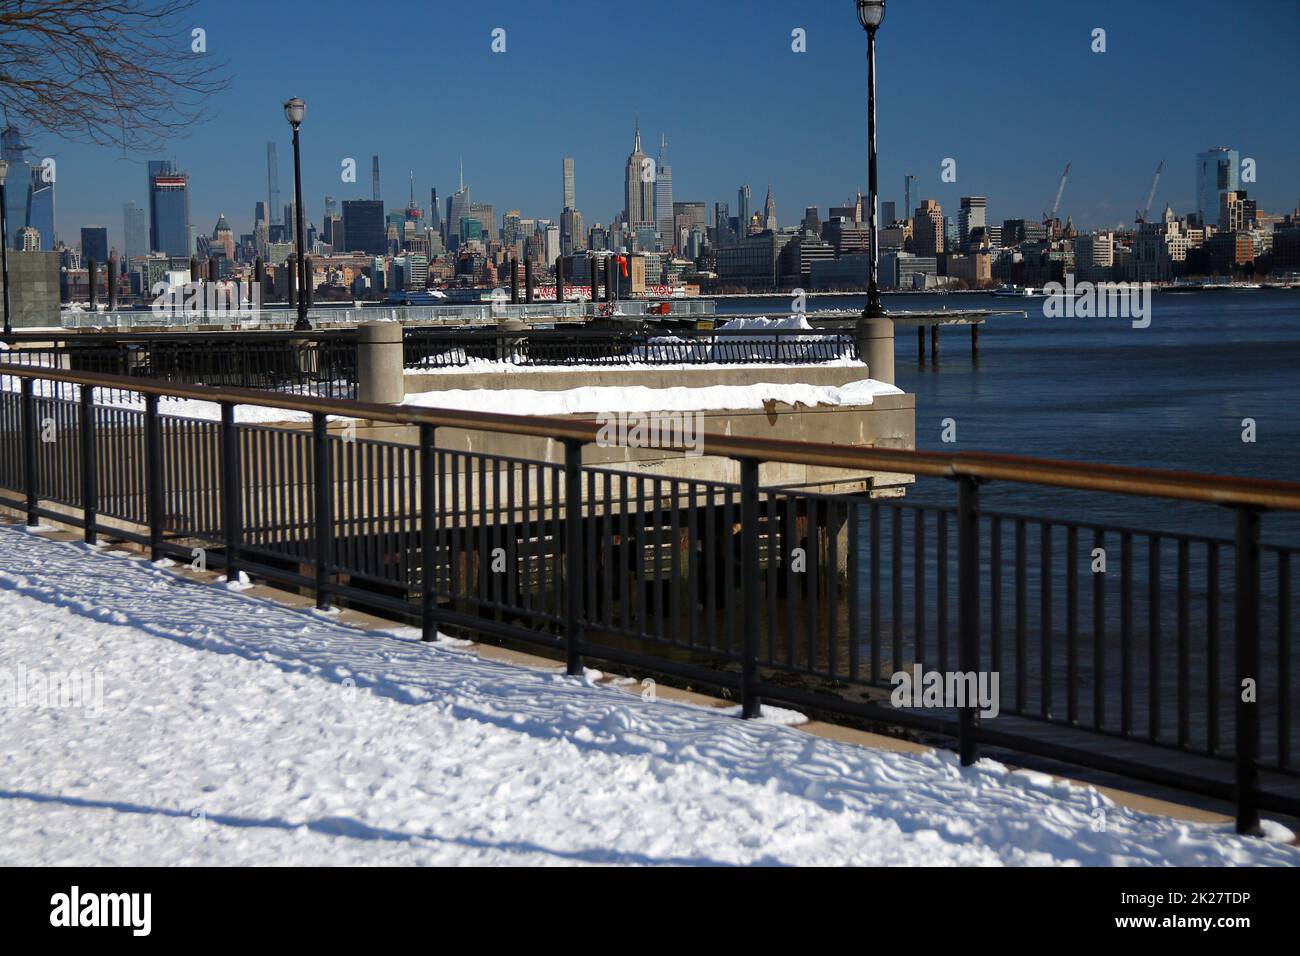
[(1010, 89)]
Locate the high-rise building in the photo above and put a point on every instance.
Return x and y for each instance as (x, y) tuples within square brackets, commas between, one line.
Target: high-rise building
[(374, 177), (363, 226), (458, 204), (888, 213), (928, 229), (272, 184), (722, 233), (908, 182), (573, 237), (570, 192), (94, 244), (1217, 172), (664, 198), (135, 230), (638, 194), (970, 216), (811, 219), (1236, 212), (169, 209), (769, 211), (435, 214), (1093, 257), (744, 202), (29, 193)]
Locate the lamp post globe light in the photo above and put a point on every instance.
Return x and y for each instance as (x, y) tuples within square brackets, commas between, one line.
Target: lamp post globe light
[(295, 111), (4, 244), (870, 14)]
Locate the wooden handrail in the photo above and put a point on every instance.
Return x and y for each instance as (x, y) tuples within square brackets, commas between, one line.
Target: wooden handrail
[(1081, 476)]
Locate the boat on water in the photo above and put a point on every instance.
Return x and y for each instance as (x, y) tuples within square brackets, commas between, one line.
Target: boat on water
[(1015, 292)]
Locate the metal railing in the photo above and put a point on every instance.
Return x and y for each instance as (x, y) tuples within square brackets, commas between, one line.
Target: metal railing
[(324, 362), (439, 348), (461, 313), (1173, 665)]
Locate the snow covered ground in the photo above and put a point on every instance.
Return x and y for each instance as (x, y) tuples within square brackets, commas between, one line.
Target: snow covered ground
[(214, 727)]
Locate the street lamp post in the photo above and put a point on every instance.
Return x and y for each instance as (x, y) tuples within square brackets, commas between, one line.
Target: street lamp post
[(4, 243), (294, 111), (870, 15)]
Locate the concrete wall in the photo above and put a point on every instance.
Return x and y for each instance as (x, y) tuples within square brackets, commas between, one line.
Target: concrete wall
[(34, 296), (560, 379)]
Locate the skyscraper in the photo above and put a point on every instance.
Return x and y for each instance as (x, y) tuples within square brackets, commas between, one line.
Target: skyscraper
[(374, 177), (435, 214), (363, 226), (908, 182), (272, 184), (570, 192), (169, 209), (722, 234), (94, 244), (458, 204), (888, 213), (970, 216), (769, 211), (1217, 172), (638, 195), (29, 194), (743, 203), (664, 198), (135, 231), (928, 230)]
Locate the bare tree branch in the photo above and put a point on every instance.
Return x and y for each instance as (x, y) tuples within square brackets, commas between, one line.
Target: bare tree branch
[(120, 73)]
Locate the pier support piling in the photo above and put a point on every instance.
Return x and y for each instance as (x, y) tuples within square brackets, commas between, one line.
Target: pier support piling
[(876, 348), (380, 375), (975, 340), (934, 342), (920, 344)]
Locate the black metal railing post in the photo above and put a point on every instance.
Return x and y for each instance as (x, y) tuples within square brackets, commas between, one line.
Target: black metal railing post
[(751, 599), (231, 493), (322, 507), (89, 464), (968, 610), (153, 475), (1246, 601), (428, 534), (30, 445), (573, 563)]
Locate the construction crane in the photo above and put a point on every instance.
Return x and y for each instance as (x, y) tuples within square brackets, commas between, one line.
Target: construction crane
[(1048, 217), (1145, 214)]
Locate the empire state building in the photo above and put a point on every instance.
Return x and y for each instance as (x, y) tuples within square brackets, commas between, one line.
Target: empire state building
[(638, 186)]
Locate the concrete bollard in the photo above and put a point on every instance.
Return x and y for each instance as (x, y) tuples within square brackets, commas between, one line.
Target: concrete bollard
[(875, 340), (380, 369), (511, 335)]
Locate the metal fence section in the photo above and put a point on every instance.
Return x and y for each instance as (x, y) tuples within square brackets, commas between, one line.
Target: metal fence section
[(1173, 663), (437, 348), (485, 313)]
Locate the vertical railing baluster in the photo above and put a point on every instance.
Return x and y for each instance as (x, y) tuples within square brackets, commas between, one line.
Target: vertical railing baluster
[(1126, 634), (573, 616), (1153, 638), (230, 490), (1072, 624), (428, 533), (968, 609), (89, 463), (1098, 632), (323, 506), (28, 415), (1283, 660), (1184, 650), (750, 596), (153, 475), (1246, 604)]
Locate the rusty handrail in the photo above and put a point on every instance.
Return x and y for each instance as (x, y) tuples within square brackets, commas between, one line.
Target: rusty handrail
[(1081, 476)]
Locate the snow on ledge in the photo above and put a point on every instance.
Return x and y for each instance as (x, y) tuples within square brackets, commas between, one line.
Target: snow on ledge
[(595, 399)]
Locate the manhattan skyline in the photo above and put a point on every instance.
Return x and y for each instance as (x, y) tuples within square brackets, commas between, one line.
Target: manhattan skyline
[(984, 85)]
